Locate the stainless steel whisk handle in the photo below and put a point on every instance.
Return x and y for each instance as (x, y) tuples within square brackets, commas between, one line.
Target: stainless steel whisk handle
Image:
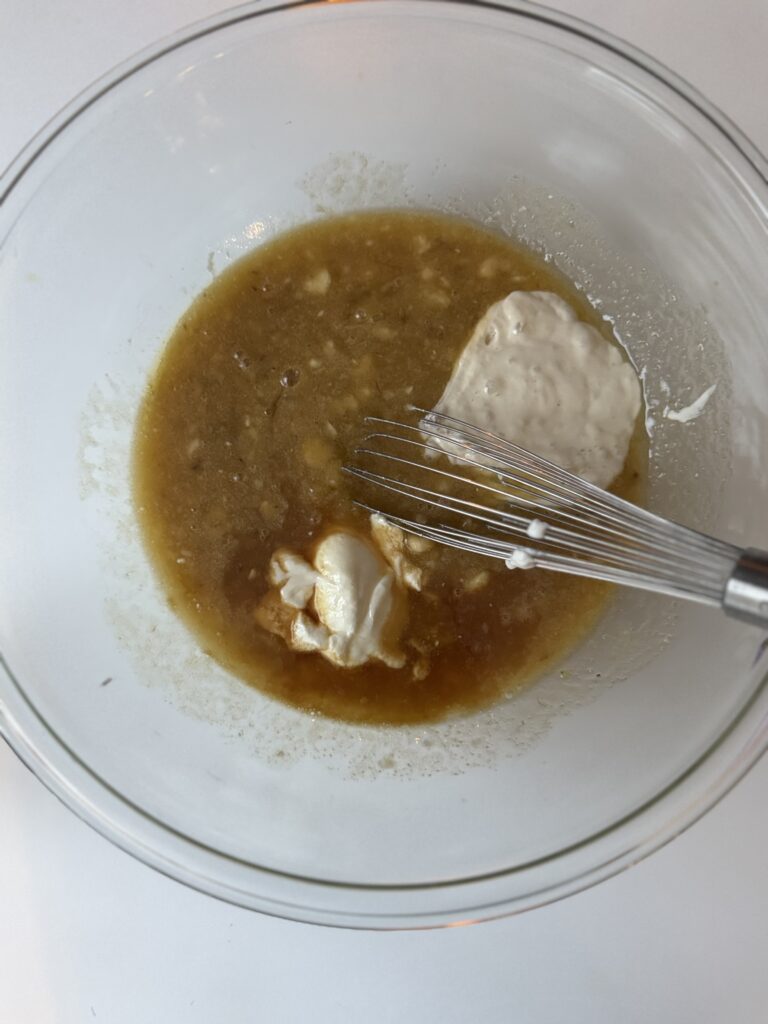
[(746, 592)]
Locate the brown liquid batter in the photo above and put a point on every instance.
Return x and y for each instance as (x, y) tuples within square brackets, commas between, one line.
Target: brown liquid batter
[(257, 402)]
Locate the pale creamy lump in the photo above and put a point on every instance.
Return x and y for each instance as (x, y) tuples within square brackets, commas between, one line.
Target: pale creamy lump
[(692, 411), (535, 375), (346, 605), (394, 545)]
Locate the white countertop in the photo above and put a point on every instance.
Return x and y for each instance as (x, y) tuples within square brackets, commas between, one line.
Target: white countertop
[(86, 933)]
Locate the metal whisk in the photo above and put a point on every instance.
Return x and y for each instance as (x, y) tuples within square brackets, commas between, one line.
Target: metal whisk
[(500, 500)]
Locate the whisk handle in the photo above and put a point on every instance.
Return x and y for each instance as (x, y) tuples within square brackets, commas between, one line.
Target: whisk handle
[(746, 592)]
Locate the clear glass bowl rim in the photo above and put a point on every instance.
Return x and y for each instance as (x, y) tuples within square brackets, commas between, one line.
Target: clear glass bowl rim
[(749, 741)]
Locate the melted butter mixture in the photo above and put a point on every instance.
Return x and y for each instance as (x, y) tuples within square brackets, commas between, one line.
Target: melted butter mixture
[(257, 402)]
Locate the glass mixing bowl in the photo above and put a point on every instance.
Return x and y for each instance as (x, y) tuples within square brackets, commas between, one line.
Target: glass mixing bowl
[(117, 214)]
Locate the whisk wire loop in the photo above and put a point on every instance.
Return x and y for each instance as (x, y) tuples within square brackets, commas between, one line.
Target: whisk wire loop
[(500, 500)]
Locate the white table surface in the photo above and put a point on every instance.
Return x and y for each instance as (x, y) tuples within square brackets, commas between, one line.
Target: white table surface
[(87, 933)]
